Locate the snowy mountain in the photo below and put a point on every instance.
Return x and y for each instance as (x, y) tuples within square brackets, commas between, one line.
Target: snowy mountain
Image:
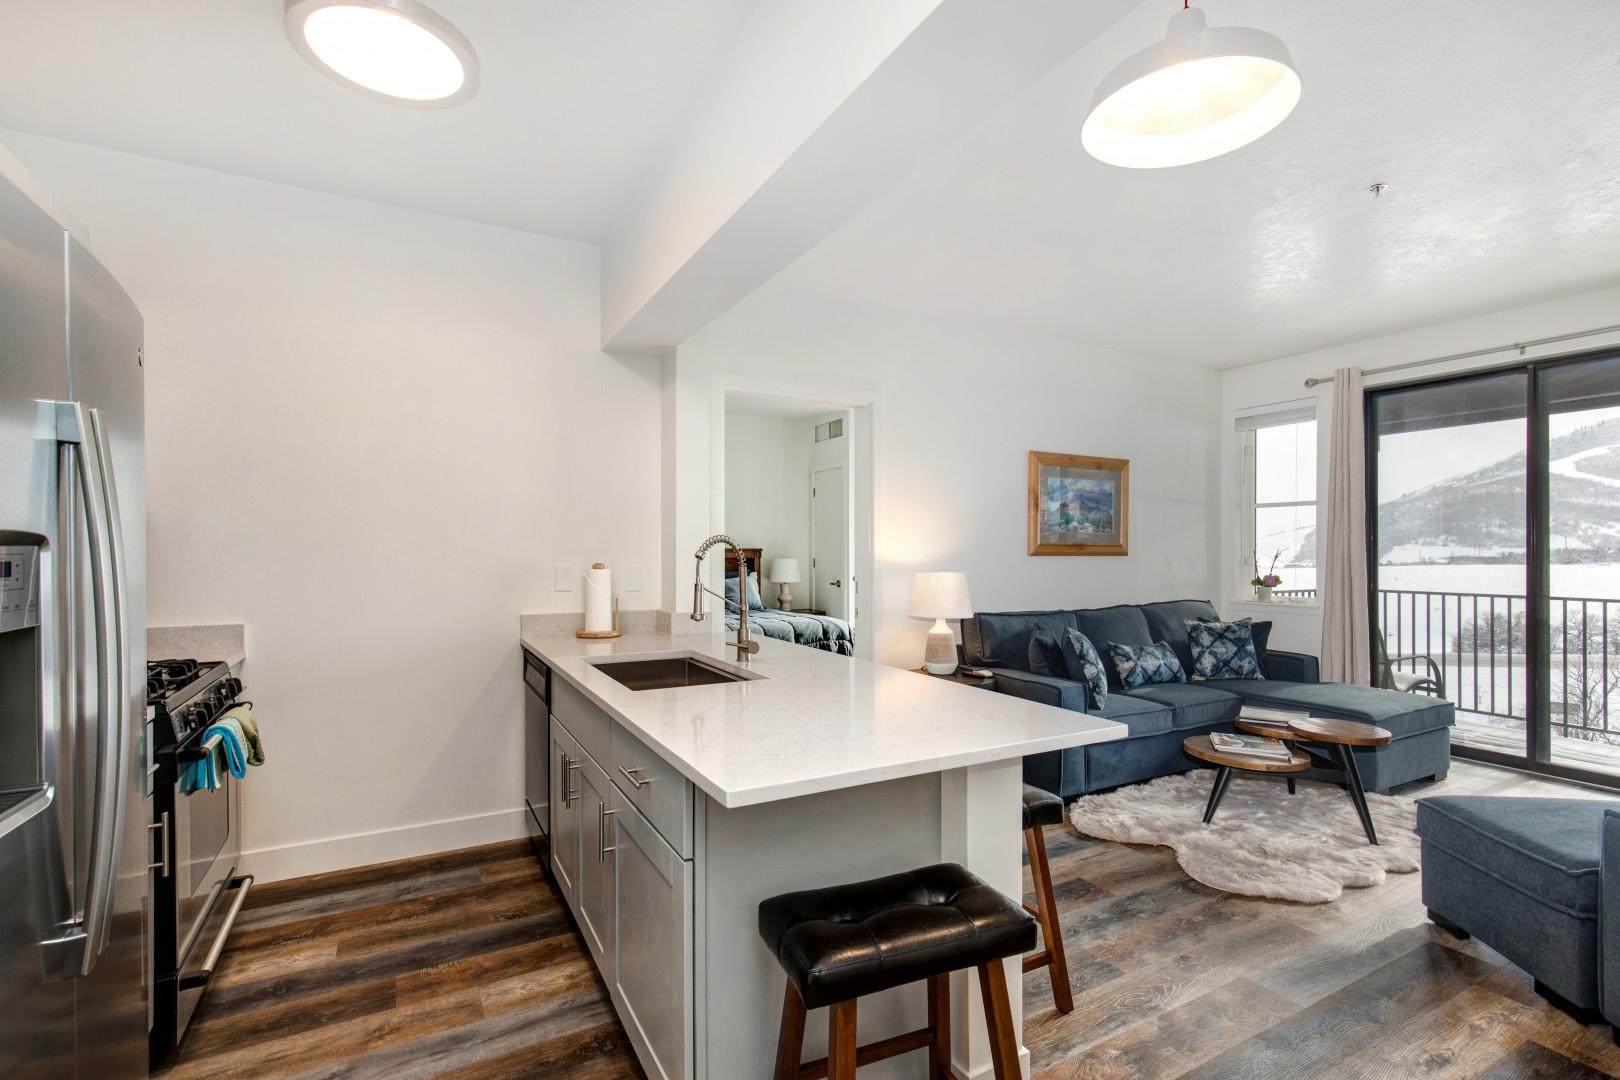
[(1480, 514)]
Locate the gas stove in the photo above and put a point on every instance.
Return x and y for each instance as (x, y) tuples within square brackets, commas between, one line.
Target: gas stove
[(196, 892), (186, 695)]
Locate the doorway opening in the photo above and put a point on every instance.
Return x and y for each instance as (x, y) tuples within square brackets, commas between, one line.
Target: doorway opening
[(793, 501)]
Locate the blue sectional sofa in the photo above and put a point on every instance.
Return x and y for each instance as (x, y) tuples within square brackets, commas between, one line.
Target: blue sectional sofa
[(1159, 717), (1538, 880)]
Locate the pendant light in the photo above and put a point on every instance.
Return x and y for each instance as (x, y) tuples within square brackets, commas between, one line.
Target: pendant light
[(1198, 94)]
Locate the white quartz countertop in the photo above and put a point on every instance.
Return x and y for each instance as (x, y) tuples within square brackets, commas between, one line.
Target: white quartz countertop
[(815, 722)]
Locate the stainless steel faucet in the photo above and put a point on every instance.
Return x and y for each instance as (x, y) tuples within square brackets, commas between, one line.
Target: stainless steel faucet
[(744, 645)]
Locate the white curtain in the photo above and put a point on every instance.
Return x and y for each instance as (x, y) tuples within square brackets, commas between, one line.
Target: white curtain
[(1346, 634)]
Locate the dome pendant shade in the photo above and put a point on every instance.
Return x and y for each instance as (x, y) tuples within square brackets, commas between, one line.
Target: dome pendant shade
[(1197, 94)]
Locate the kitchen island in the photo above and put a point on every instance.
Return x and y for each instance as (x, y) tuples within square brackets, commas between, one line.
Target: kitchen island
[(671, 812)]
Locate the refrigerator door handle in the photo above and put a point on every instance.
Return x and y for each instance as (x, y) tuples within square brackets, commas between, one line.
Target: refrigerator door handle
[(81, 429)]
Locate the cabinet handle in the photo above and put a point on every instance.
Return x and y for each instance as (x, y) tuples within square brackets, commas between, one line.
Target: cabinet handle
[(162, 825), (635, 777), (570, 767), (602, 849)]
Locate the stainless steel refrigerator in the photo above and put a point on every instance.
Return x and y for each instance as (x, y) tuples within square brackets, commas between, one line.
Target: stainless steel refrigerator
[(74, 832)]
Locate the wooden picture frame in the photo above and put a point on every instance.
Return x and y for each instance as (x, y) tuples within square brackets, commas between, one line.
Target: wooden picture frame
[(1079, 505)]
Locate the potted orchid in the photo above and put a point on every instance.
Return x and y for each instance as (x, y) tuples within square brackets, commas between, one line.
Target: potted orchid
[(1264, 583)]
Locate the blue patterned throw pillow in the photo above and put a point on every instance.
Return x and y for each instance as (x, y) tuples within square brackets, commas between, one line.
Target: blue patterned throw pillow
[(1143, 665), (1046, 656), (1089, 664), (1223, 650)]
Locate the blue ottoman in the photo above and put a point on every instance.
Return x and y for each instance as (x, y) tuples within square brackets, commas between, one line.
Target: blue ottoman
[(1523, 876)]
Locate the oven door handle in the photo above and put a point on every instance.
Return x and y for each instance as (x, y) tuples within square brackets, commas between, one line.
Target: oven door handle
[(211, 961)]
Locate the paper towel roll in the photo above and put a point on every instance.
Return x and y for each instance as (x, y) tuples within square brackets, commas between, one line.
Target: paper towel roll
[(598, 599)]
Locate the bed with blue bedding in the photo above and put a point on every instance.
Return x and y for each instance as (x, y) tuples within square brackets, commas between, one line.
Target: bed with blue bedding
[(816, 631)]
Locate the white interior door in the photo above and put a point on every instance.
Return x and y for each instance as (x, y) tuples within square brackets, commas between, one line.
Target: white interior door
[(829, 540)]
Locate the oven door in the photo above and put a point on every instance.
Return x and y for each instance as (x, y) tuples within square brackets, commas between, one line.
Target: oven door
[(207, 846)]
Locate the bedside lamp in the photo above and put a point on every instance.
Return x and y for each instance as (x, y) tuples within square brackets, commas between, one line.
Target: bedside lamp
[(785, 572), (940, 595)]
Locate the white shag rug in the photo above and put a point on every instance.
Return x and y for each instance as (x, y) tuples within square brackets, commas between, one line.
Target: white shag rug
[(1307, 847)]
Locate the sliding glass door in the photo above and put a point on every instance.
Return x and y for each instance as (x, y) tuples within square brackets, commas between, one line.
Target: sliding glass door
[(1496, 569), (1580, 452)]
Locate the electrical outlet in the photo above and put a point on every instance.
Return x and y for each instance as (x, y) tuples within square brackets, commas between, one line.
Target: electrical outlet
[(564, 574), (632, 579)]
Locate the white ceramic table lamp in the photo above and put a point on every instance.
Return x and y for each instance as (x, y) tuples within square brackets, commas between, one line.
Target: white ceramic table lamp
[(940, 595), (785, 572)]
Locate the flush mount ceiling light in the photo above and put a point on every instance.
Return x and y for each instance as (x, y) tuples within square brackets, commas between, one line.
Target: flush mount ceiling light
[(398, 51), (1197, 94)]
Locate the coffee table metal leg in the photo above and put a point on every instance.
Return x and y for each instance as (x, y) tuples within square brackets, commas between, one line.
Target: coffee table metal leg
[(1290, 785), (1223, 775), (1358, 795)]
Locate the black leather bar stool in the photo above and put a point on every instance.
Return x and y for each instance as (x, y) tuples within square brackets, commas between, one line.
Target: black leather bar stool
[(842, 943), (1042, 808)]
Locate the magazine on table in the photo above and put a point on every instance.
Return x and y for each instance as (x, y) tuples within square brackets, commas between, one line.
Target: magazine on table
[(1280, 718), (1252, 745)]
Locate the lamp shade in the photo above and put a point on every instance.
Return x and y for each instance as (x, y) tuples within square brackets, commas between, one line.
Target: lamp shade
[(1201, 92), (940, 594), (785, 571)]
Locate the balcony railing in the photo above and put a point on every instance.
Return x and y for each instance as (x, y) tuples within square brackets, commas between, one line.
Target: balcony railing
[(1479, 642)]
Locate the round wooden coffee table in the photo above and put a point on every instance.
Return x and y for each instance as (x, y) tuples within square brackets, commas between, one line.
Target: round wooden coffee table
[(1226, 763), (1340, 738)]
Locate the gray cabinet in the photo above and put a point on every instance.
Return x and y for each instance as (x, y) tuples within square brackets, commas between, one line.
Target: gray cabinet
[(652, 981), (594, 905), (617, 845), (566, 764)]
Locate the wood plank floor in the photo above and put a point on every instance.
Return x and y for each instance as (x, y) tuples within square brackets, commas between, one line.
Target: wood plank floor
[(1174, 979), (463, 966), (467, 966)]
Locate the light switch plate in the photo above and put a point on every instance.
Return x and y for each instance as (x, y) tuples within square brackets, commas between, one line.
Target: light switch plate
[(632, 579), (564, 574)]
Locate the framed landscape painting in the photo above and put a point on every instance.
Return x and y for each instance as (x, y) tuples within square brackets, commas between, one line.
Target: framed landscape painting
[(1078, 505)]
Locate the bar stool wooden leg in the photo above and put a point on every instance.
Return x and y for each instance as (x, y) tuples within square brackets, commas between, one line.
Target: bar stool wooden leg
[(841, 1041), (939, 1022), (790, 1042), (1040, 870), (998, 1018)]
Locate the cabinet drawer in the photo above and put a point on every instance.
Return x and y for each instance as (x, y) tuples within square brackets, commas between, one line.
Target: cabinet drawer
[(654, 787), (586, 722)]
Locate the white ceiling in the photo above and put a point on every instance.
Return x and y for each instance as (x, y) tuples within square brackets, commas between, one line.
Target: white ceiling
[(578, 99), (1496, 124)]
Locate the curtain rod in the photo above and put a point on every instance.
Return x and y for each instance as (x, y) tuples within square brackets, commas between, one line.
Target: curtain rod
[(1521, 346)]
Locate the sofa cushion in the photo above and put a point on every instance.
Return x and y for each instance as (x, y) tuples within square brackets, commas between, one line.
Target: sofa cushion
[(1548, 848), (1167, 621), (1046, 655), (1192, 704), (1139, 715), (1399, 714), (1122, 624), (1141, 665), (1086, 665), (1003, 636), (1222, 650)]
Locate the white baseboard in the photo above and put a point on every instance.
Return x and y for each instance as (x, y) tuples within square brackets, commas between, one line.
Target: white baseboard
[(384, 845)]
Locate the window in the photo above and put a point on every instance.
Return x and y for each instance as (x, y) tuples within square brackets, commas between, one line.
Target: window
[(829, 429), (1277, 515)]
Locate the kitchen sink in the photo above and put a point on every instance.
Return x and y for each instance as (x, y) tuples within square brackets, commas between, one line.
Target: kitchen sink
[(666, 672)]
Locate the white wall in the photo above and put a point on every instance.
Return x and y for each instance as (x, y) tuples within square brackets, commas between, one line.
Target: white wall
[(371, 434), (768, 490), (1300, 628), (957, 406)]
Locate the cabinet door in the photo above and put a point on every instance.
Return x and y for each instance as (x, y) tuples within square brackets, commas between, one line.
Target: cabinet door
[(653, 974), (594, 820), (566, 767)]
